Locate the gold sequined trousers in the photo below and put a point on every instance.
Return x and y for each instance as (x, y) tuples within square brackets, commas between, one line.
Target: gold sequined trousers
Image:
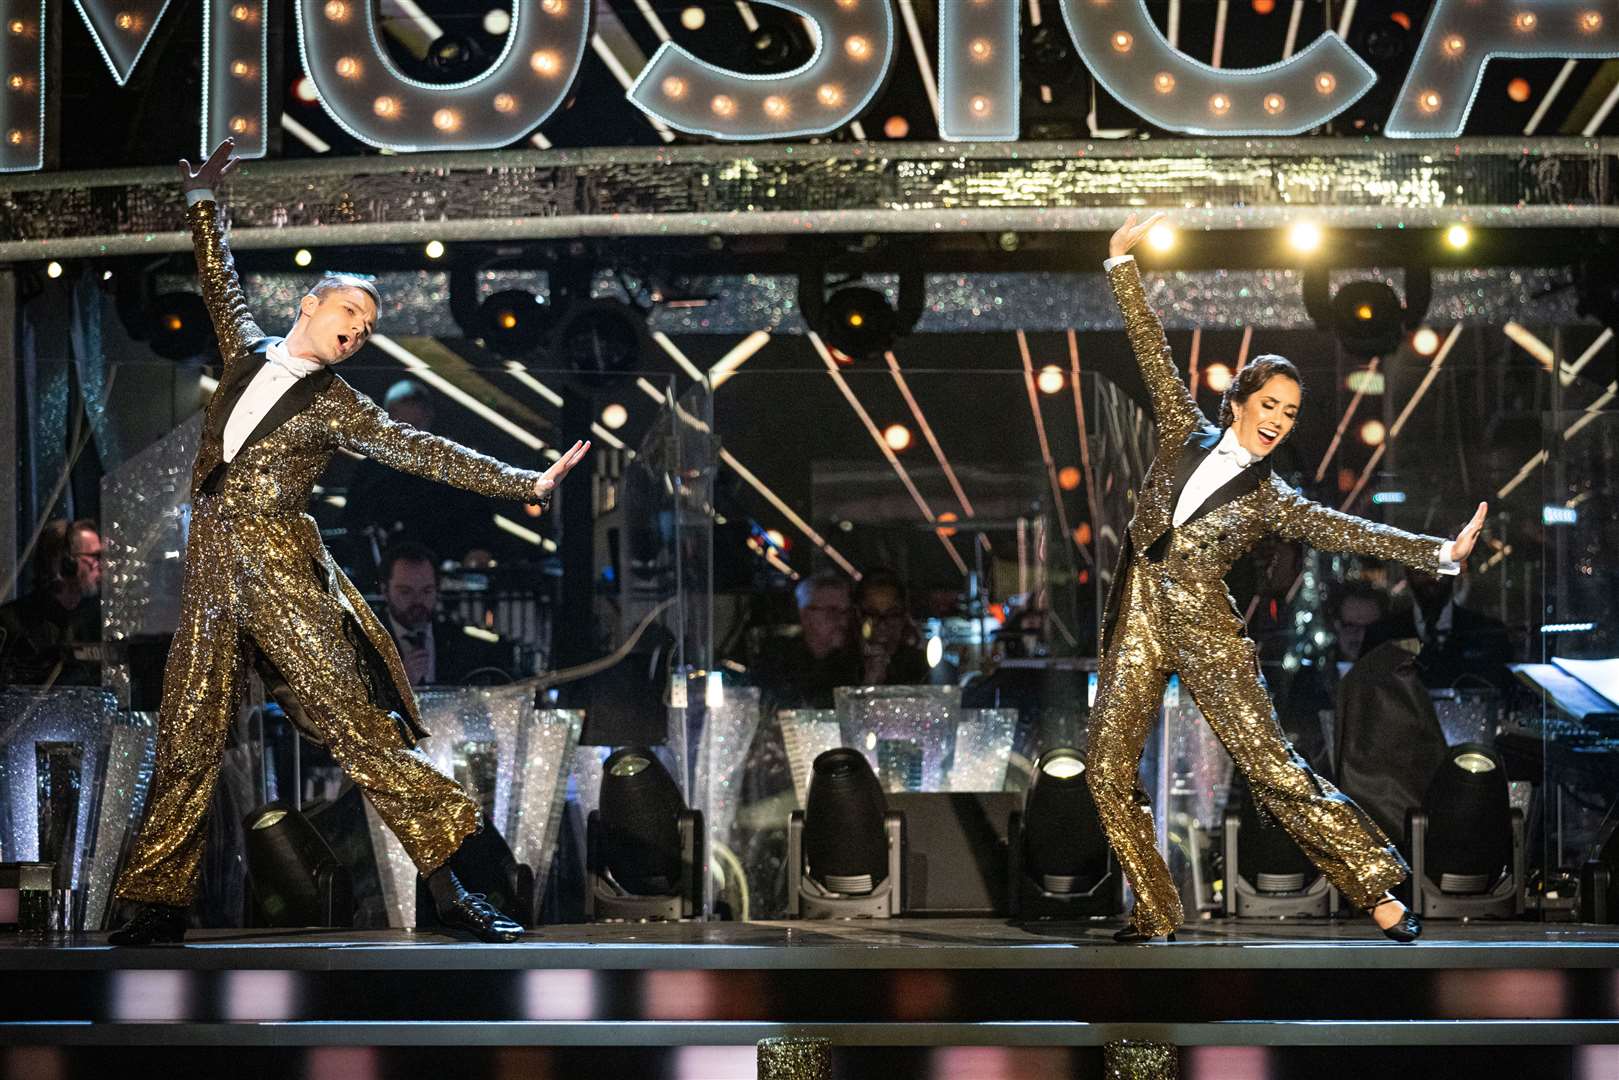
[(264, 581), (1168, 626)]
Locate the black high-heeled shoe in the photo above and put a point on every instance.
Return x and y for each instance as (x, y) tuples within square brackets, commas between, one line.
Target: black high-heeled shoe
[(1407, 930), (1132, 936)]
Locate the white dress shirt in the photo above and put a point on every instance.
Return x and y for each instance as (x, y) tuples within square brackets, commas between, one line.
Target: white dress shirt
[(1228, 459), (279, 374)]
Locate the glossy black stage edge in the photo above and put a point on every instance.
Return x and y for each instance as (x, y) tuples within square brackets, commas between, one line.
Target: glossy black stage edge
[(895, 983)]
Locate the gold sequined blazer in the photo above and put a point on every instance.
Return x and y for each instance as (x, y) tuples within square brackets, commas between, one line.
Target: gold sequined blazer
[(275, 471), (1252, 505)]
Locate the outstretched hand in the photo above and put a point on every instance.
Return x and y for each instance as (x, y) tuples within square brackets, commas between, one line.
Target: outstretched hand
[(212, 171), (563, 465), (1130, 234), (1462, 546)]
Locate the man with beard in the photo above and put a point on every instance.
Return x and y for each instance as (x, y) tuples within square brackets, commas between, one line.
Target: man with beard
[(44, 634), (436, 651)]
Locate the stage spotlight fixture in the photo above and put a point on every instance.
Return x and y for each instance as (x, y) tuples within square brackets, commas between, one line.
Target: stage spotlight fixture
[(456, 57), (645, 846), (1372, 432), (293, 877), (1469, 820), (615, 416), (1218, 377), (1457, 237), (1599, 878), (1064, 848), (1161, 237), (1425, 341), (1060, 865), (599, 338), (302, 257), (897, 437), (1266, 875), (693, 18), (776, 46), (512, 322), (860, 322), (496, 21), (1467, 840), (1304, 237), (843, 824), (1596, 290), (434, 249), (1051, 380), (180, 326), (896, 127), (1367, 318), (53, 269), (844, 847)]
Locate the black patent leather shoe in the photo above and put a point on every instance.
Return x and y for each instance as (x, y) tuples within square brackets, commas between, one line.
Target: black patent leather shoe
[(474, 913), (1407, 930), (1131, 936), (152, 924)]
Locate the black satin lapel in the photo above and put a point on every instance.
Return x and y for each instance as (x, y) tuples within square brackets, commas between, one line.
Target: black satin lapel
[(1198, 446), (1242, 484), (293, 402)]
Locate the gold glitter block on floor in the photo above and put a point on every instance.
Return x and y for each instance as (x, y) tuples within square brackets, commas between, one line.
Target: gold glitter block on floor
[(795, 1059), (1131, 1059)]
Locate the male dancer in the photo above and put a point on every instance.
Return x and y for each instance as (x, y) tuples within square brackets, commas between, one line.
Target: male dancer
[(261, 588)]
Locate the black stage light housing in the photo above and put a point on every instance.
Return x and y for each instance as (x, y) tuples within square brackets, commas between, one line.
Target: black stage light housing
[(844, 843), (646, 850), (513, 322), (1367, 317), (640, 810), (179, 326), (1467, 840), (1063, 846), (1269, 858), (294, 878), (598, 338), (857, 320), (1469, 820), (1060, 863)]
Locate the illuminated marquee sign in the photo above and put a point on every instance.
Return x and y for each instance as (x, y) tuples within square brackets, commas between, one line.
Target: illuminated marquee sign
[(853, 50)]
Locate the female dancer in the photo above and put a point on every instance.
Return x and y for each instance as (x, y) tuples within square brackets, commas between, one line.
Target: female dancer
[(1208, 497)]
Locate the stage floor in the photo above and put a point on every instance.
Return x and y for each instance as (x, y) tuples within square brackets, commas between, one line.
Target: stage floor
[(893, 944)]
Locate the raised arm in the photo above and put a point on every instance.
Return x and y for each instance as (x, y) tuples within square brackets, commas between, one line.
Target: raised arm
[(216, 270), (365, 428), (1326, 529), (1173, 408)]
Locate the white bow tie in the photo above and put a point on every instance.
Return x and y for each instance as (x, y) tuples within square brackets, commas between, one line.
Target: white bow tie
[(278, 355), (1234, 450)]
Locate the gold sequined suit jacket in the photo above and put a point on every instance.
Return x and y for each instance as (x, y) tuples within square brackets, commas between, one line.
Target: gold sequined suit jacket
[(1168, 613), (275, 471), (1254, 504), (261, 591)]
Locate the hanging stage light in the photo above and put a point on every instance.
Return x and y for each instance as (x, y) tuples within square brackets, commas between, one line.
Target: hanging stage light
[(293, 878), (455, 58), (1060, 863), (1366, 316), (179, 327), (599, 338), (843, 848), (857, 320), (513, 322), (1467, 840), (645, 846)]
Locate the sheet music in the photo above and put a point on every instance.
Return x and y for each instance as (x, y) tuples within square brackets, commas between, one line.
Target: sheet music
[(1602, 676)]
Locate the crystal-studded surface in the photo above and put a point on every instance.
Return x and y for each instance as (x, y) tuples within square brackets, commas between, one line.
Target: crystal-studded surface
[(530, 751), (920, 187), (112, 753), (983, 749), (145, 507), (907, 732), (722, 755), (807, 734)]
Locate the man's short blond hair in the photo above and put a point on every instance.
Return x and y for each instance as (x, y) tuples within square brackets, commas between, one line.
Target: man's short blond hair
[(327, 282)]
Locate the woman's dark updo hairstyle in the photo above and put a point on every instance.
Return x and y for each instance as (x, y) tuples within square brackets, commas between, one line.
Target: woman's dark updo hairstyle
[(1254, 374)]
